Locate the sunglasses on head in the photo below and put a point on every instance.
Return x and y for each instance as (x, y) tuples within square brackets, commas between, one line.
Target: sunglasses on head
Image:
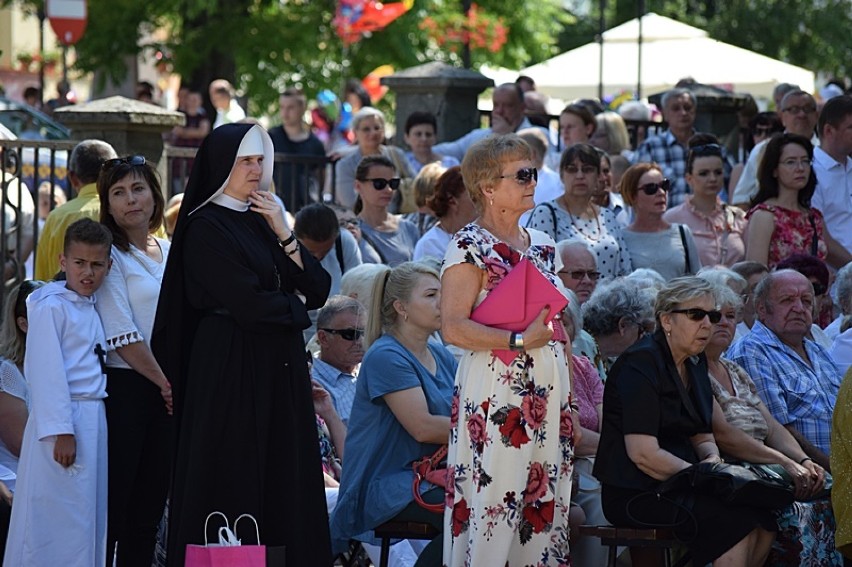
[(652, 188), (346, 334), (696, 314), (523, 176), (380, 183), (129, 160)]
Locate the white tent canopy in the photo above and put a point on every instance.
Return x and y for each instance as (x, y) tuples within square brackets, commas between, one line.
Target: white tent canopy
[(671, 51)]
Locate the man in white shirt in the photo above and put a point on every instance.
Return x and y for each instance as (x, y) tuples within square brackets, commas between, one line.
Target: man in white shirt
[(833, 168), (222, 96), (507, 116), (340, 333), (799, 116)]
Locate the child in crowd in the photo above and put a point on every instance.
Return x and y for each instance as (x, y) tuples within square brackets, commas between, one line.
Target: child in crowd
[(60, 509)]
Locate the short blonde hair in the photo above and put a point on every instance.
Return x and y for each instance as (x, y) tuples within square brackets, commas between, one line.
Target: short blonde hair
[(364, 113), (484, 159), (425, 182)]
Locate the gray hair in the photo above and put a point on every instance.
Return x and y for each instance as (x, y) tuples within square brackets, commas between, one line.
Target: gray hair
[(726, 297), (678, 92), (565, 245), (364, 283), (646, 277), (87, 157), (365, 113), (843, 289), (723, 277), (336, 305), (681, 290), (573, 310), (613, 300)]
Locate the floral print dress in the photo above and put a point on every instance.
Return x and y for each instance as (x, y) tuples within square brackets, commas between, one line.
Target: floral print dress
[(795, 233), (511, 449)]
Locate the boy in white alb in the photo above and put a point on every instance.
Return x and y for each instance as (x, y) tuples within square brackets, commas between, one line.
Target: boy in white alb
[(60, 507)]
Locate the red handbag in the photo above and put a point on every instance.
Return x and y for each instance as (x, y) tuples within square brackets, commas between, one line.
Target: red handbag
[(432, 469)]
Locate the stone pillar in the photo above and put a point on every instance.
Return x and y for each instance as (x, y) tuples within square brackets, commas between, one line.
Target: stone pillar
[(450, 93), (130, 126)]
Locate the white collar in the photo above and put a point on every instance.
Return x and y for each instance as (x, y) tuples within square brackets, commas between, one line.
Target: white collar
[(230, 203)]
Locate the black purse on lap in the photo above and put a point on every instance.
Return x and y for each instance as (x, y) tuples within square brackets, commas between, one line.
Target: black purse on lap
[(739, 485)]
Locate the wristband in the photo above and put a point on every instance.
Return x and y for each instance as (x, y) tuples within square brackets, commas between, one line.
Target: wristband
[(293, 251), (516, 341), (286, 242), (802, 462)]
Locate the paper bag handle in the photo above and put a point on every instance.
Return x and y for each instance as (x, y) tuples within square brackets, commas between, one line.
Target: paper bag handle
[(256, 528), (208, 520)]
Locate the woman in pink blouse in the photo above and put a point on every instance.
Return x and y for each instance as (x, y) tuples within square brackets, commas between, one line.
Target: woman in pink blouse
[(718, 228)]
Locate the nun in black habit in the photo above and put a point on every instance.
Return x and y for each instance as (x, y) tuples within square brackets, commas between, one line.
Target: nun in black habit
[(234, 301)]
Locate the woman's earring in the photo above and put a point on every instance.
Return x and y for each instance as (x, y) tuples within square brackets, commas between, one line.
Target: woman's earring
[(405, 316)]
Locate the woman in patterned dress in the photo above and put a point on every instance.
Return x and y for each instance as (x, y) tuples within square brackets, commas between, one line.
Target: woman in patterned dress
[(513, 426), (781, 221)]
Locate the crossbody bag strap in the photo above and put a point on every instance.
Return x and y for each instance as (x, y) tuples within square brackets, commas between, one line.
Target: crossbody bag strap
[(685, 247)]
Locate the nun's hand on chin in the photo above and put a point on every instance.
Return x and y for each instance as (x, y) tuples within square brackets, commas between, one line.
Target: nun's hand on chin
[(262, 202)]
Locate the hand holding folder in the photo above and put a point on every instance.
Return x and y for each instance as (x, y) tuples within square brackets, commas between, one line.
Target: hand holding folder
[(517, 301)]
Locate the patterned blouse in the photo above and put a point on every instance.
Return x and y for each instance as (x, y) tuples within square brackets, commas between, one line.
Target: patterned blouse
[(741, 407), (794, 233)]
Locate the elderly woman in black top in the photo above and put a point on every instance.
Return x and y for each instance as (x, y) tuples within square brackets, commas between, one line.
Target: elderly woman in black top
[(657, 422)]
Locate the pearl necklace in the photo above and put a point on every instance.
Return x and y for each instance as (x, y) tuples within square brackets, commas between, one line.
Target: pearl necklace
[(591, 237)]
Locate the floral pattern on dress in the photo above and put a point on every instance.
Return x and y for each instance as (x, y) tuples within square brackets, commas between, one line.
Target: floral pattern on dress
[(793, 233), (511, 445)]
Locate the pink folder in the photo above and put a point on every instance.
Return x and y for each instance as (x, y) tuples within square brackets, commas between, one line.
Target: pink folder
[(516, 302)]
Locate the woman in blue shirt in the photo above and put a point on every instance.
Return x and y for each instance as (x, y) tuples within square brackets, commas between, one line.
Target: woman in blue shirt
[(400, 414)]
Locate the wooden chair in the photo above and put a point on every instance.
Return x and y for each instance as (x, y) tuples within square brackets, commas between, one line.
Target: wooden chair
[(614, 537)]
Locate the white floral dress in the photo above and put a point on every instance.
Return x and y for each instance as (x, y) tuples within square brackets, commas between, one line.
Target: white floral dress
[(511, 447)]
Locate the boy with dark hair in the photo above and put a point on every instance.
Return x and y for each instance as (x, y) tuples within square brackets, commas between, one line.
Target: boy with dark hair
[(59, 515)]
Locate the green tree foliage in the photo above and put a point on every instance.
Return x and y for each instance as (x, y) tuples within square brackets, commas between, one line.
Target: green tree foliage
[(263, 45)]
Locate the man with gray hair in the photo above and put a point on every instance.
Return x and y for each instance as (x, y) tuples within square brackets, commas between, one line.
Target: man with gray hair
[(795, 377), (670, 149), (84, 166), (340, 333)]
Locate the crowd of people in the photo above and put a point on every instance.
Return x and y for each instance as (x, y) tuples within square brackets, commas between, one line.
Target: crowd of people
[(293, 365)]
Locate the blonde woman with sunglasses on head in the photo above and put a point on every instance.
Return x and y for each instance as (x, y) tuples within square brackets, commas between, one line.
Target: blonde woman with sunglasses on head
[(385, 238)]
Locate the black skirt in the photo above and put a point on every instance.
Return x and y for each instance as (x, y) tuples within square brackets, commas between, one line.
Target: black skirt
[(706, 525)]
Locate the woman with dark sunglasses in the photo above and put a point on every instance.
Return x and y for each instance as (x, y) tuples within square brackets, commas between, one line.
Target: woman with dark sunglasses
[(718, 229), (385, 238), (512, 439), (653, 242), (574, 216), (657, 421)]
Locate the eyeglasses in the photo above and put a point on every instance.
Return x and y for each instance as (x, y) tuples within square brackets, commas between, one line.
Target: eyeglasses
[(580, 274), (523, 176), (797, 163), (819, 289), (706, 150), (586, 169), (346, 334), (129, 160), (762, 130), (652, 188), (682, 108), (807, 109), (380, 183), (348, 222), (696, 314)]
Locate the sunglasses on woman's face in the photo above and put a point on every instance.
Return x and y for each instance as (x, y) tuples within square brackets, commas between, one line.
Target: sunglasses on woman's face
[(696, 314), (652, 188), (380, 183), (523, 176), (129, 160)]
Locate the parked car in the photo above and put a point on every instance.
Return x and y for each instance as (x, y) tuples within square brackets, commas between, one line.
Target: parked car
[(19, 121)]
